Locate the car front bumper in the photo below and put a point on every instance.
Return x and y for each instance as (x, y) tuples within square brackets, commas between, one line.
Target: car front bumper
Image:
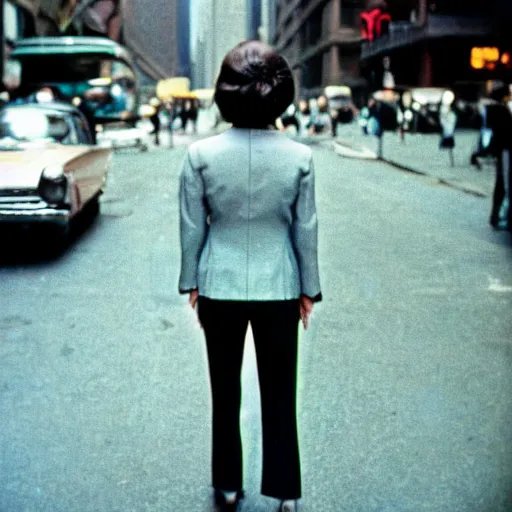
[(23, 213)]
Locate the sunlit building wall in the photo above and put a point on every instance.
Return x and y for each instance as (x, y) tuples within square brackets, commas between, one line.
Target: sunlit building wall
[(218, 26)]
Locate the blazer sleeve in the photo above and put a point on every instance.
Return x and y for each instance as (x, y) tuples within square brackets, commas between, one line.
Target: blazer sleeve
[(193, 222), (305, 234)]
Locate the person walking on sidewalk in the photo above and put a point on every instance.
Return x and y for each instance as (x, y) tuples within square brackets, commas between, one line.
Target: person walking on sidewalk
[(304, 118), (321, 122), (155, 119), (248, 231), (500, 121)]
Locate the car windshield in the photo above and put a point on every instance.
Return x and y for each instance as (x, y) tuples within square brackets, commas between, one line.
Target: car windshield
[(28, 124)]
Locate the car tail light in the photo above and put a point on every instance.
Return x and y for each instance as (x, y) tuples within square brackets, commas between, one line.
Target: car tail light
[(53, 185)]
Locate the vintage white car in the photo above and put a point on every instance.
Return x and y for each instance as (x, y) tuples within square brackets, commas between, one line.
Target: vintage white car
[(50, 171)]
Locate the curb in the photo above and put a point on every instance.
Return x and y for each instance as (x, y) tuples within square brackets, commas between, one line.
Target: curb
[(347, 150), (351, 151), (466, 187)]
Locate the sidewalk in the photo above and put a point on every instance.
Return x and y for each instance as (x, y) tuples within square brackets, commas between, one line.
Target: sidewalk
[(420, 153)]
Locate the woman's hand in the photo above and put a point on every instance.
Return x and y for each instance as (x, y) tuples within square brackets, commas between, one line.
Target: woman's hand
[(306, 307), (192, 298)]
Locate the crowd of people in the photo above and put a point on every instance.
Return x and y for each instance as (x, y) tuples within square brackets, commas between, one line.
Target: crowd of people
[(180, 113), (315, 117)]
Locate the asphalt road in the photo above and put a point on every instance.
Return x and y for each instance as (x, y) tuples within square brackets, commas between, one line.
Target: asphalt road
[(405, 373)]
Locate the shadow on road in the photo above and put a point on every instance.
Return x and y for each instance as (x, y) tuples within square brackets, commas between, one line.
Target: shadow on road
[(33, 245)]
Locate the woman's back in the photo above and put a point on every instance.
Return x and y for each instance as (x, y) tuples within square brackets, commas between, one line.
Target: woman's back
[(257, 188)]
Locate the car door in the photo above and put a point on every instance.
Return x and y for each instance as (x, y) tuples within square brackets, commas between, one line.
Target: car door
[(91, 167)]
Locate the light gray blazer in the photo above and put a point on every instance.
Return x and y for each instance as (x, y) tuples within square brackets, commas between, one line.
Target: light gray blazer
[(248, 223)]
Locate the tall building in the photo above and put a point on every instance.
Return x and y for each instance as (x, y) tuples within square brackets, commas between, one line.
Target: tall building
[(17, 20), (183, 28), (321, 40), (219, 26), (157, 33), (253, 16), (268, 20), (450, 43)]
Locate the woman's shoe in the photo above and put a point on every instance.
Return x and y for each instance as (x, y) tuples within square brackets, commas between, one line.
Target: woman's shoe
[(288, 506), (228, 501)]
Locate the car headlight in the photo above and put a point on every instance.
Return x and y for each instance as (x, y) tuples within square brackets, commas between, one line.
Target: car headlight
[(53, 185)]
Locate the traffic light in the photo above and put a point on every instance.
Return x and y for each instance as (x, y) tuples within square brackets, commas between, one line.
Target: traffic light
[(375, 23)]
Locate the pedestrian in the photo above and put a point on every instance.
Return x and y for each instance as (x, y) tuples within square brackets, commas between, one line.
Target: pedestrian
[(373, 125), (304, 117), (485, 139), (499, 119), (448, 122), (169, 108), (321, 121), (155, 119), (248, 230), (289, 119), (193, 113), (185, 115)]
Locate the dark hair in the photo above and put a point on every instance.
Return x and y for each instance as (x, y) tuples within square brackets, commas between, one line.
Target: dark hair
[(255, 85)]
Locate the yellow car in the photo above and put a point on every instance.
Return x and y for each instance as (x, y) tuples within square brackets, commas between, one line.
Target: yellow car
[(50, 171)]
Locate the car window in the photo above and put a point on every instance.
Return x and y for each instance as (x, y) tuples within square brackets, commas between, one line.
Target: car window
[(82, 129), (29, 124), (72, 137)]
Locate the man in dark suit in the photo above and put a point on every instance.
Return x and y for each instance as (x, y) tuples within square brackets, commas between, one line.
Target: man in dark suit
[(499, 119)]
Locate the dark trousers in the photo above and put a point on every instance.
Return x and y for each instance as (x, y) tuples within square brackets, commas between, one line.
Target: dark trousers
[(501, 211), (275, 328), (155, 121)]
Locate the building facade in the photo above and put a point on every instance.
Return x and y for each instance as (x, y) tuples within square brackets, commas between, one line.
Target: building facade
[(17, 21), (157, 33), (253, 19), (321, 39), (220, 25), (450, 43), (268, 20)]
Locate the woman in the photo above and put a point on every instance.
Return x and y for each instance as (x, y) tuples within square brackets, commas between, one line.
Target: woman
[(249, 254)]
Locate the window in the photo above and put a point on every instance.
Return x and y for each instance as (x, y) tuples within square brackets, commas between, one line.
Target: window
[(350, 13), (458, 7), (82, 129), (314, 28)]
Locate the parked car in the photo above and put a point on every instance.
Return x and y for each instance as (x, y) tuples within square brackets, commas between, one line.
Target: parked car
[(49, 170), (426, 102), (341, 106), (120, 136)]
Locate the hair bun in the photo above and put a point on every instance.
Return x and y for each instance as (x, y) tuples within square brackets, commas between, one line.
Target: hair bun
[(255, 85)]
